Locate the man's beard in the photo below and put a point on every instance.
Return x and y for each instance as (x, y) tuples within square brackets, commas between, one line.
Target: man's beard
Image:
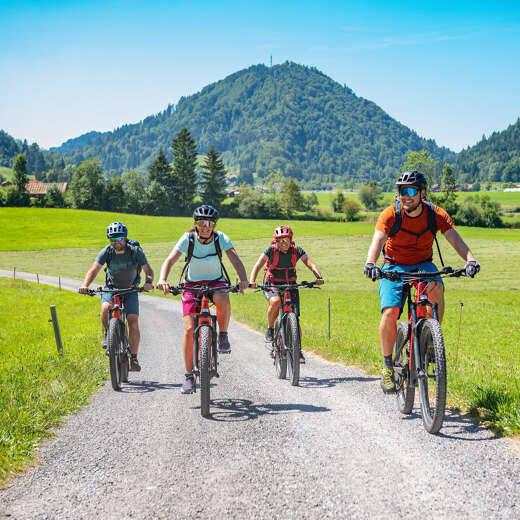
[(411, 210)]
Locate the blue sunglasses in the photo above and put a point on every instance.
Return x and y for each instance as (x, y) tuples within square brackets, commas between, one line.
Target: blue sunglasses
[(408, 192), (116, 239)]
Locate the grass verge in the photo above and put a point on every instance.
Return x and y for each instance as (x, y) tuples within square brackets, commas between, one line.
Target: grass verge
[(38, 387)]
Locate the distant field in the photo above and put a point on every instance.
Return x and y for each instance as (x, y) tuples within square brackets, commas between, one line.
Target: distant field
[(487, 377), (6, 172)]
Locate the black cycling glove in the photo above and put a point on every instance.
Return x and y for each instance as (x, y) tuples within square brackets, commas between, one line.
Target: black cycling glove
[(372, 271), (472, 268)]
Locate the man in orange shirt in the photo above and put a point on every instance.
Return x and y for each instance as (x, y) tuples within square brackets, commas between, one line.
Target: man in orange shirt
[(407, 245)]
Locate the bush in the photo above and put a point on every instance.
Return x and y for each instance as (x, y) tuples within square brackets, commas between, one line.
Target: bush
[(370, 195), (351, 208)]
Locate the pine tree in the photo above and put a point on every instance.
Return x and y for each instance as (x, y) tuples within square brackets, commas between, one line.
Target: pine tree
[(184, 169), (19, 197), (213, 184), (160, 172)]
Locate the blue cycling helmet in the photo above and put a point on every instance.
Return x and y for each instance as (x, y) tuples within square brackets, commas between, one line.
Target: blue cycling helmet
[(205, 212), (116, 229), (412, 178)]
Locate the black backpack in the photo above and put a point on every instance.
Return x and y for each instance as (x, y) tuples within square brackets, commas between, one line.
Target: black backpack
[(432, 225), (133, 245), (189, 254)]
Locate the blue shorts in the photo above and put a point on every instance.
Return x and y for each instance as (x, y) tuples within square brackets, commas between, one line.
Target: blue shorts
[(391, 293), (131, 301)]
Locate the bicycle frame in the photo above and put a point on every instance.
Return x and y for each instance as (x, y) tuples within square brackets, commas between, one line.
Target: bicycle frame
[(417, 312)]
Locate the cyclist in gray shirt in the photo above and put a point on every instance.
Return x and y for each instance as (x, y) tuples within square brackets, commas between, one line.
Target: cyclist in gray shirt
[(124, 259)]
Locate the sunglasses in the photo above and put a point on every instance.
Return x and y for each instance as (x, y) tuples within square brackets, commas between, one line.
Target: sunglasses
[(408, 192), (117, 239), (284, 239), (205, 223)]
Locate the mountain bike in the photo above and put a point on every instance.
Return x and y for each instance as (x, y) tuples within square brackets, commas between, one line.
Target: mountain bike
[(118, 349), (205, 357), (419, 357), (287, 333)]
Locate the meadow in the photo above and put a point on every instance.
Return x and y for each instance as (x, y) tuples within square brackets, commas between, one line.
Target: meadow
[(486, 377), (37, 386)]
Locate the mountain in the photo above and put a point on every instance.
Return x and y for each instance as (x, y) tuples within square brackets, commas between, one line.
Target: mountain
[(11, 147), (288, 116), (496, 158)]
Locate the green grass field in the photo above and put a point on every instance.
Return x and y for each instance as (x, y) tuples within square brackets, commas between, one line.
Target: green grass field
[(487, 376), (37, 386)]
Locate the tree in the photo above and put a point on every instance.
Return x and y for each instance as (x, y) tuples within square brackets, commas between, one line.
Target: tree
[(370, 195), (54, 198), (337, 201), (135, 194), (351, 208), (20, 197), (422, 162), (292, 199), (213, 183), (87, 185), (184, 169), (250, 202), (114, 195), (448, 197)]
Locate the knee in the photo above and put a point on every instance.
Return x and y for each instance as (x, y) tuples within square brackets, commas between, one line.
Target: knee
[(389, 314), (133, 323)]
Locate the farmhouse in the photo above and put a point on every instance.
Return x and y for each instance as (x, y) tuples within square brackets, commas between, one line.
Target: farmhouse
[(39, 189)]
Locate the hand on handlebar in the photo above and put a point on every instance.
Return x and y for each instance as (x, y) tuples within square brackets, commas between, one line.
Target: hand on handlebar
[(320, 281), (83, 290), (372, 271), (148, 287), (253, 285), (472, 268), (242, 286), (163, 286)]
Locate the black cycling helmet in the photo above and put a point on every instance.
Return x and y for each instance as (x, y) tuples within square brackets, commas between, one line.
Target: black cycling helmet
[(205, 212), (412, 178), (116, 229)]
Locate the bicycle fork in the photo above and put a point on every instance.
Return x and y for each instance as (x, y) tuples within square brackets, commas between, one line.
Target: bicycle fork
[(203, 320), (418, 312)]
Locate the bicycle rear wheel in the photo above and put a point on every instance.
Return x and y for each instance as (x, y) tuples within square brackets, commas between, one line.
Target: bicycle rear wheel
[(114, 340), (293, 348), (405, 391), (280, 357), (432, 386), (204, 368)]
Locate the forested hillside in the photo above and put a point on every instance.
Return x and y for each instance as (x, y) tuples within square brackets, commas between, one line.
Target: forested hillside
[(10, 148), (496, 158), (288, 116)]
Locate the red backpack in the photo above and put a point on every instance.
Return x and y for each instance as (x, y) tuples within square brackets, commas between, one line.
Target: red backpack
[(271, 266)]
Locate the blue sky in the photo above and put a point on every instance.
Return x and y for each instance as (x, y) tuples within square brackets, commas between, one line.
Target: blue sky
[(449, 70)]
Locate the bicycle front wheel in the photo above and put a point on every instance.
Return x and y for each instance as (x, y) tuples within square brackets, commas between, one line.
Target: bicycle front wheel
[(293, 348), (204, 367), (280, 357), (432, 384), (115, 347), (405, 391)]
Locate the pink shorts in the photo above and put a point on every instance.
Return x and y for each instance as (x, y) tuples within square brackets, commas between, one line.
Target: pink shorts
[(191, 300)]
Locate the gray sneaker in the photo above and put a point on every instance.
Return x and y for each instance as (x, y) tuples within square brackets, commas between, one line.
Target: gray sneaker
[(269, 335), (223, 343), (189, 383)]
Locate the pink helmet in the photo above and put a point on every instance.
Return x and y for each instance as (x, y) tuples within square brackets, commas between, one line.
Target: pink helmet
[(282, 232)]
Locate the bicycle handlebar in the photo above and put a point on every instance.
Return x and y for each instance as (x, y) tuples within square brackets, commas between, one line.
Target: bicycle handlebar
[(286, 286), (127, 290), (396, 276), (177, 289)]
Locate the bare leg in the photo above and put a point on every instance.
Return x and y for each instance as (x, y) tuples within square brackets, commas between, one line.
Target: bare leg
[(187, 342), (223, 306), (435, 292), (388, 329), (272, 312), (134, 336)]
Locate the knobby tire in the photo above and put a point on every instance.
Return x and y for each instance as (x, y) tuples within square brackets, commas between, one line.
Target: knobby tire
[(124, 360), (293, 348), (204, 367), (280, 357), (432, 388), (406, 393), (114, 338)]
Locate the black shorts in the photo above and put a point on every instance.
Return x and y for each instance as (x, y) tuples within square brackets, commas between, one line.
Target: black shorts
[(295, 297)]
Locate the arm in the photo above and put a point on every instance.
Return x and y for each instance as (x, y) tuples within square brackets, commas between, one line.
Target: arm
[(378, 241), (89, 277), (312, 266), (165, 270), (239, 268), (148, 285), (453, 237), (262, 259)]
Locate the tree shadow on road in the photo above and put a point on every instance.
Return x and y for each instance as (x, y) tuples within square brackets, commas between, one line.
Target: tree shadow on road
[(139, 387), (314, 382), (232, 410)]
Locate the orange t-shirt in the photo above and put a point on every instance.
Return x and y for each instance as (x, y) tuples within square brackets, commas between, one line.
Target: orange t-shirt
[(405, 248)]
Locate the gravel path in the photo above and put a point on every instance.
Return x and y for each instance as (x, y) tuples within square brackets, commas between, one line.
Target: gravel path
[(335, 447)]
